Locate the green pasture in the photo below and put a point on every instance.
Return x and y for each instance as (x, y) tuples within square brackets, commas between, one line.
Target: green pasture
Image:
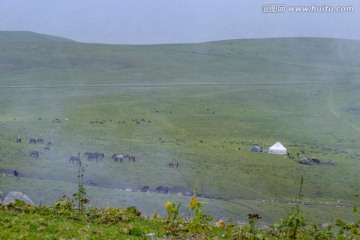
[(203, 105)]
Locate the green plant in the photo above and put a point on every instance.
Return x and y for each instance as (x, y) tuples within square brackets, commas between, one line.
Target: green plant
[(172, 210), (81, 193)]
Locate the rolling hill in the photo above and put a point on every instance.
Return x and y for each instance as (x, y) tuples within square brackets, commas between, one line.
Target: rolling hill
[(203, 105)]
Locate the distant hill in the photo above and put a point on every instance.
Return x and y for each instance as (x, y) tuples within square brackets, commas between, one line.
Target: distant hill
[(24, 36), (32, 57)]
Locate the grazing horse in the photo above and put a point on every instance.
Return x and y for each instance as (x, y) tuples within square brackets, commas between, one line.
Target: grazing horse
[(94, 155), (18, 139), (118, 157), (254, 216), (73, 159), (162, 189), (32, 141), (131, 158), (173, 164), (40, 140), (34, 154)]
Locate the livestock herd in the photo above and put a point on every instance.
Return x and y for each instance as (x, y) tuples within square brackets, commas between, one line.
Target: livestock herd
[(90, 156), (93, 156)]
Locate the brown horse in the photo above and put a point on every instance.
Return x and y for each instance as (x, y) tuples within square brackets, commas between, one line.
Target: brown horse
[(173, 164)]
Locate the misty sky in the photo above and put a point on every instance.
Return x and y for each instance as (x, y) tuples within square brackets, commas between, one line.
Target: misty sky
[(178, 21)]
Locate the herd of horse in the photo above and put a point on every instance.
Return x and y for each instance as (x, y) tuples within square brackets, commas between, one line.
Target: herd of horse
[(97, 156), (35, 153), (90, 156)]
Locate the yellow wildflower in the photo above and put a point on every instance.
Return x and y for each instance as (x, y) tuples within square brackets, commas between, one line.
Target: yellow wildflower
[(167, 205), (193, 203)]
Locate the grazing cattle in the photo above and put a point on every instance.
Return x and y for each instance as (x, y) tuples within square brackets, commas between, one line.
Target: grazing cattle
[(145, 188), (173, 164), (16, 173), (40, 140), (48, 144), (34, 154), (162, 189), (18, 139), (46, 148), (32, 141), (74, 159), (118, 157), (131, 158)]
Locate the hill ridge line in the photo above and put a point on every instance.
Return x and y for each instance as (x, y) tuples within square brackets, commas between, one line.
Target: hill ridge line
[(164, 84)]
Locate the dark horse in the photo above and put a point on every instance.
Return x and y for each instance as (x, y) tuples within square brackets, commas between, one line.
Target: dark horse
[(94, 156), (162, 189), (34, 154), (145, 188), (131, 158), (73, 159)]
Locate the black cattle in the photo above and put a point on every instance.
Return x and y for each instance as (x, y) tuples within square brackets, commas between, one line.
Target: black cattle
[(18, 140), (32, 141), (131, 158), (40, 140), (162, 189)]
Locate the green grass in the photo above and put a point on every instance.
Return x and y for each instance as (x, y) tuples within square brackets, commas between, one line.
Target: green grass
[(296, 91)]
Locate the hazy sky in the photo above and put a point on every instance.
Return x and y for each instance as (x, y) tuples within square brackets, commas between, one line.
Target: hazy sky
[(178, 21)]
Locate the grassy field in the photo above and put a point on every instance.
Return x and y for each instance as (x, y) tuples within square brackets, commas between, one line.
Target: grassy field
[(203, 105)]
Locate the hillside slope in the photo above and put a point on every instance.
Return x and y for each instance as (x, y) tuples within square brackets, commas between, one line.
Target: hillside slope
[(26, 56), (25, 36), (203, 105)]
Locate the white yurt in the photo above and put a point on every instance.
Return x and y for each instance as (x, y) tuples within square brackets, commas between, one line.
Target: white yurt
[(277, 148)]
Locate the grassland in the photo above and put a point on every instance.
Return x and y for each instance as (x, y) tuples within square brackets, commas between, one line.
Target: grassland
[(204, 105)]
